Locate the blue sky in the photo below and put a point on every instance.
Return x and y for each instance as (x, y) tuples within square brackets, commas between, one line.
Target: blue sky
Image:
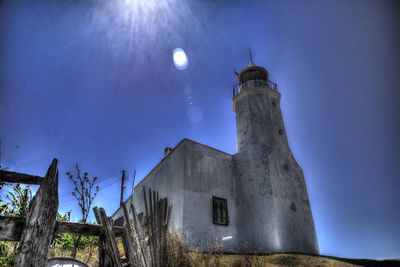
[(94, 83)]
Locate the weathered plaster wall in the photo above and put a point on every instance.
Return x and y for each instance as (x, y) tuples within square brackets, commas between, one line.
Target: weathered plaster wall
[(166, 178), (190, 176), (271, 195), (208, 173)]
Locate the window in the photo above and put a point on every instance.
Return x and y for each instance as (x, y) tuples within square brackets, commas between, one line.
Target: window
[(286, 167), (220, 211), (293, 207), (280, 131), (273, 103), (119, 221)]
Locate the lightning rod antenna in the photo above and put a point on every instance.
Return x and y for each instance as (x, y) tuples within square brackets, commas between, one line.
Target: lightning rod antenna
[(251, 57)]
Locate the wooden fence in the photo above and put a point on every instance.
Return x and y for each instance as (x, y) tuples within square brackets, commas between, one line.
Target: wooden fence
[(35, 232)]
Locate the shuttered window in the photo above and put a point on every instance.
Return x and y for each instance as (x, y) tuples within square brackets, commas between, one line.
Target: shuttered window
[(220, 211)]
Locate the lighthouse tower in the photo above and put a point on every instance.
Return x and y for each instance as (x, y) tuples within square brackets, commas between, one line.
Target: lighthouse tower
[(272, 200)]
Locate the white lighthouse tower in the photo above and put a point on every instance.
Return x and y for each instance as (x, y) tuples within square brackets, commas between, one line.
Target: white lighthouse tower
[(272, 200)]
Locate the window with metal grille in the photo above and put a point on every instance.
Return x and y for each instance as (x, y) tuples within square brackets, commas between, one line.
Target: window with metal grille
[(220, 211)]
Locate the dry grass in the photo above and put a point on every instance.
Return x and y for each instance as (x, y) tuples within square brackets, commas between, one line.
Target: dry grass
[(280, 260), (177, 255)]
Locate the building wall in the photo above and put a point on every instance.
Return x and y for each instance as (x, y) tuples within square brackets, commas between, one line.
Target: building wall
[(272, 199), (208, 173), (190, 176), (166, 178), (268, 204)]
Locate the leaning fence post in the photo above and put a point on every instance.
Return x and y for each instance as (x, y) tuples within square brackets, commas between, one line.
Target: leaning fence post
[(140, 239), (129, 244), (111, 245), (104, 259), (40, 222)]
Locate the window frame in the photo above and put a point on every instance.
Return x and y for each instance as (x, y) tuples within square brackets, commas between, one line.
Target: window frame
[(215, 201)]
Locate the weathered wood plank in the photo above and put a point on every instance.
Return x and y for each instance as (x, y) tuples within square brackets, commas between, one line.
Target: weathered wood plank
[(128, 251), (85, 229), (129, 244), (111, 245), (139, 236), (20, 178), (11, 228), (157, 219), (104, 257), (155, 230), (40, 222), (150, 227)]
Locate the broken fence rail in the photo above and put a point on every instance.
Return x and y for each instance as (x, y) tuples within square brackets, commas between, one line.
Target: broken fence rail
[(19, 178), (11, 228)]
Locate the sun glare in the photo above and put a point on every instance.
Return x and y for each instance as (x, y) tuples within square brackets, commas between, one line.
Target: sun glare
[(180, 59)]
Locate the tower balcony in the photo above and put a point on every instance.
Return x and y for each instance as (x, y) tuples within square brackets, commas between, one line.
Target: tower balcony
[(253, 84)]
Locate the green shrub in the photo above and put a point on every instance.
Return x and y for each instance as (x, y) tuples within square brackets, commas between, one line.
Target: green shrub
[(7, 253), (64, 241), (16, 203)]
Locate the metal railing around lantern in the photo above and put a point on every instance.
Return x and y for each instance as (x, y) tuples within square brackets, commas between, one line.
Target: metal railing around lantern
[(254, 84)]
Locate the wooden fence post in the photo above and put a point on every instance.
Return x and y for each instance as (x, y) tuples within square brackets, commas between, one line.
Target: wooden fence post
[(40, 222), (157, 214), (104, 258), (150, 252), (144, 250), (111, 245), (130, 246)]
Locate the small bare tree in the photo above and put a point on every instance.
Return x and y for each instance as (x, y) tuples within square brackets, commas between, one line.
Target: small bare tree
[(85, 190)]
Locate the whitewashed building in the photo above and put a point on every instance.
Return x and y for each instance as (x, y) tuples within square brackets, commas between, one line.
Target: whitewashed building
[(253, 201)]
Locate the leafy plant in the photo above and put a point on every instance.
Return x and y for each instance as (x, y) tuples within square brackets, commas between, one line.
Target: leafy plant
[(66, 217), (2, 184), (7, 253), (16, 202), (64, 241)]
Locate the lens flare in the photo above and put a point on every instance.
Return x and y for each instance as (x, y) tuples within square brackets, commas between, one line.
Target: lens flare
[(194, 114), (180, 59)]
